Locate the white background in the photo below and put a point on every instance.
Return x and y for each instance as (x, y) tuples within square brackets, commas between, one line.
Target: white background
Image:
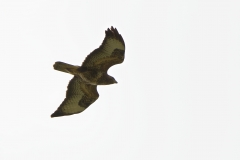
[(178, 90)]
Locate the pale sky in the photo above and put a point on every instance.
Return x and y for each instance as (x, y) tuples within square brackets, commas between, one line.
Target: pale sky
[(178, 91)]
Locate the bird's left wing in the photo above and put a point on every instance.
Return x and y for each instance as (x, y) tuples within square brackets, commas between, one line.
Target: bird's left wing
[(79, 96)]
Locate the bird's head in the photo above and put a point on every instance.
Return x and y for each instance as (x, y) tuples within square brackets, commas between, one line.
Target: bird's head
[(107, 80), (110, 80)]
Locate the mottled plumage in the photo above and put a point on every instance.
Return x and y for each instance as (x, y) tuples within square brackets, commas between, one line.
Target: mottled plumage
[(82, 89)]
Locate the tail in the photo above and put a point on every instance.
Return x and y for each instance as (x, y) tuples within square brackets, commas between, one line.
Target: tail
[(64, 67)]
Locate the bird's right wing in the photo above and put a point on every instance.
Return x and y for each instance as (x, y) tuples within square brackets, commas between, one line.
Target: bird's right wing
[(79, 96), (111, 52)]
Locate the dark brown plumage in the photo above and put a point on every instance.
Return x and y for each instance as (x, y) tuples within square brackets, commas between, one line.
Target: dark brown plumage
[(82, 89)]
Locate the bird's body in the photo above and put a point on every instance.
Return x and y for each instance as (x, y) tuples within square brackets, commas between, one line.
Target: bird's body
[(82, 89), (85, 76)]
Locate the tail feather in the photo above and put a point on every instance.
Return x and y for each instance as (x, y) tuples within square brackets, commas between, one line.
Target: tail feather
[(64, 67)]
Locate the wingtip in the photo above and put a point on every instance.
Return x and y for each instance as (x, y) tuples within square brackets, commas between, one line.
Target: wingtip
[(57, 114), (111, 29), (114, 29), (113, 32)]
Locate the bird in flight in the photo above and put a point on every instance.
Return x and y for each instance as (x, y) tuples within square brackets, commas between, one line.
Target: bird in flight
[(82, 88)]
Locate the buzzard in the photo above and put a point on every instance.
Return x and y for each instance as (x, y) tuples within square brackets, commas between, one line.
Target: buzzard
[(82, 88)]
